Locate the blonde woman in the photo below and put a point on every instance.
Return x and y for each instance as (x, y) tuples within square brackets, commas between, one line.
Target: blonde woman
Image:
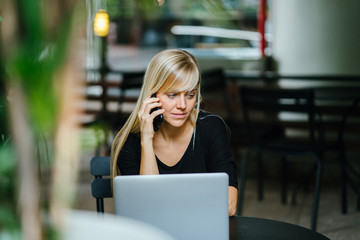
[(188, 140)]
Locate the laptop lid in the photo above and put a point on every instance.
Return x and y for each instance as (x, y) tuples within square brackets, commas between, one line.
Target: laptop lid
[(187, 206)]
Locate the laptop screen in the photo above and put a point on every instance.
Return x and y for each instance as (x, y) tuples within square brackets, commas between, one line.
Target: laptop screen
[(187, 206)]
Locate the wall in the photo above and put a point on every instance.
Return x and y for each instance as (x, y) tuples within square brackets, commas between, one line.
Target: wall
[(316, 37)]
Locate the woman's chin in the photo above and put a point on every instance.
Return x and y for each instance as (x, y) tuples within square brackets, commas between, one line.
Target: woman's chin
[(176, 123)]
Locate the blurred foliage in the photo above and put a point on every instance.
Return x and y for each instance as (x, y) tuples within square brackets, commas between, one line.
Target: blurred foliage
[(3, 120), (32, 60), (8, 218), (135, 17), (35, 61), (185, 9)]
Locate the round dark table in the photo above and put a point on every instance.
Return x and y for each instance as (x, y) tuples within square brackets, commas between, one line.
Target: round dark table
[(249, 228)]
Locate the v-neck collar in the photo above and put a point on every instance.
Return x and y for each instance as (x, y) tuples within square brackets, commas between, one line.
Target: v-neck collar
[(179, 162)]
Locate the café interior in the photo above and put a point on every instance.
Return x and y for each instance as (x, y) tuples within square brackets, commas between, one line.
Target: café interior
[(284, 75)]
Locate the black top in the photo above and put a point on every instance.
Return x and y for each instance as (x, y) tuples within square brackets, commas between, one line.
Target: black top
[(208, 151)]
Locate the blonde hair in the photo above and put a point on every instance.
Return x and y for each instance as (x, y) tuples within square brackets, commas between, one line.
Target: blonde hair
[(164, 70)]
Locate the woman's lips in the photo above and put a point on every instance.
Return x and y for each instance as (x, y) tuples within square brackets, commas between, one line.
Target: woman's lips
[(179, 115)]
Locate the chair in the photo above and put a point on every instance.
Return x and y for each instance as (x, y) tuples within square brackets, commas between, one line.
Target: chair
[(261, 105), (100, 187), (334, 107), (130, 87), (110, 122), (217, 95), (214, 88)]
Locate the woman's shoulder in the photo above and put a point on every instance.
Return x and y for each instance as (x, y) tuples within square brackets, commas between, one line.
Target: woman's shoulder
[(208, 117), (211, 125), (132, 139), (210, 120)]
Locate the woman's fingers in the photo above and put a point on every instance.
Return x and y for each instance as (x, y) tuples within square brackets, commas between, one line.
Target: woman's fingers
[(151, 103), (145, 116), (148, 105), (157, 112)]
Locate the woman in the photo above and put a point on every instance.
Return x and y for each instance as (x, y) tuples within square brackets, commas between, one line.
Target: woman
[(188, 140)]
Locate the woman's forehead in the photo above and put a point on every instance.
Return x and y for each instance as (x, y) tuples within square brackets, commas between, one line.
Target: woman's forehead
[(170, 90), (179, 85)]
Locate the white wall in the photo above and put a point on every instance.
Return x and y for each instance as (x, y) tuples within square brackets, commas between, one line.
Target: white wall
[(316, 36)]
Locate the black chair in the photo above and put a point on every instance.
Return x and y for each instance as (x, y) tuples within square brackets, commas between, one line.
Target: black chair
[(101, 184), (130, 87), (334, 107), (110, 122), (218, 97), (214, 88), (263, 106)]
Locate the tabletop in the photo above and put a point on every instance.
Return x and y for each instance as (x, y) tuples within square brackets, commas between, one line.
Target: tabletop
[(249, 228)]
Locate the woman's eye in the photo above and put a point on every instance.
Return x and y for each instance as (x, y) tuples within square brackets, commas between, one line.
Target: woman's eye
[(191, 95), (171, 95)]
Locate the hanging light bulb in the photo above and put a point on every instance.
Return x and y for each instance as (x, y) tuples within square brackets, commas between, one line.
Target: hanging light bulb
[(101, 23)]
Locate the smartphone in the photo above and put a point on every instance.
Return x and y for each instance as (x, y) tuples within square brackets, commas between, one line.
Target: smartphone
[(158, 119)]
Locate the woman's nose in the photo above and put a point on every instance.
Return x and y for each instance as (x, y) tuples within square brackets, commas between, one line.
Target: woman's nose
[(181, 102)]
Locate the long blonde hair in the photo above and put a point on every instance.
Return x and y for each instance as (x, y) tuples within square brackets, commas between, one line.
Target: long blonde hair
[(165, 68)]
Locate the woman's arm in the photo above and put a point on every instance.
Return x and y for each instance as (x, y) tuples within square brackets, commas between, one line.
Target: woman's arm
[(233, 194), (148, 164), (220, 158)]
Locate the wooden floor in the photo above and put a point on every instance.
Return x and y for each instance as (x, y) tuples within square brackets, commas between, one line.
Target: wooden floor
[(331, 222)]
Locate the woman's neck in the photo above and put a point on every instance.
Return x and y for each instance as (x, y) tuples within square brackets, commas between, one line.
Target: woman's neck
[(171, 133)]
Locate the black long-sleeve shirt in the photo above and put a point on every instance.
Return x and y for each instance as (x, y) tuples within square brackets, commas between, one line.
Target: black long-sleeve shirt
[(208, 151)]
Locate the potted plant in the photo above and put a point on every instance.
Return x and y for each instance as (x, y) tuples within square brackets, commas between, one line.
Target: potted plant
[(38, 142)]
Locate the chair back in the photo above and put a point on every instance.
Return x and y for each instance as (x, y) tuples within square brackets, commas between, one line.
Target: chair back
[(215, 93), (337, 111), (130, 87), (262, 105), (101, 184), (128, 93)]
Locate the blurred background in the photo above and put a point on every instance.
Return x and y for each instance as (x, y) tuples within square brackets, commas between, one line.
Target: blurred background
[(67, 88)]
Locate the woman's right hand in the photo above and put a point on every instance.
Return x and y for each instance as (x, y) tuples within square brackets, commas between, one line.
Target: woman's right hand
[(148, 164), (146, 119)]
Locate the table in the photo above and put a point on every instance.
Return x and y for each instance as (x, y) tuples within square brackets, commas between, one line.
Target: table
[(249, 228)]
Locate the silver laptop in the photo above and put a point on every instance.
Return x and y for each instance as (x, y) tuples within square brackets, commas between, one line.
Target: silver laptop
[(187, 206)]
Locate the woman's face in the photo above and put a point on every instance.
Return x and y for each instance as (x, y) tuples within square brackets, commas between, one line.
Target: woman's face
[(178, 106)]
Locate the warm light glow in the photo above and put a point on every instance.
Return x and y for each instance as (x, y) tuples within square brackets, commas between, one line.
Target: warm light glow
[(101, 23), (160, 2)]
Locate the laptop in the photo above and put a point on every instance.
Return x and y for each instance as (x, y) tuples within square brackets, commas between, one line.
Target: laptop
[(186, 206)]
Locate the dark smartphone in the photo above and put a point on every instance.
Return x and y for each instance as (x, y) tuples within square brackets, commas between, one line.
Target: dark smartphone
[(158, 119)]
